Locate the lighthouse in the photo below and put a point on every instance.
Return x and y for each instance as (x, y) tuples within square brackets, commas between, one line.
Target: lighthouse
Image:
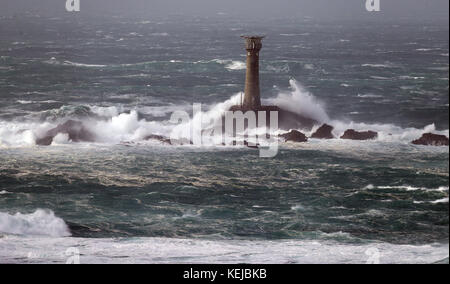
[(252, 99)]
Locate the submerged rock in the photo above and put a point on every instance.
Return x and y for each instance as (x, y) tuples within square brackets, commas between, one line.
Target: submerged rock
[(294, 136), (356, 135), (74, 129), (432, 140), (324, 132)]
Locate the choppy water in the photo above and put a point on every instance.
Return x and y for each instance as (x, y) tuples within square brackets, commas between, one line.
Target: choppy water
[(323, 201)]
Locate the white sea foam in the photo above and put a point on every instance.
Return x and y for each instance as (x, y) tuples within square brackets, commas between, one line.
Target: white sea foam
[(379, 65), (54, 61), (386, 132), (61, 138), (370, 95), (300, 101), (26, 102), (426, 49), (409, 188), (17, 134), (229, 64), (160, 34), (411, 78), (118, 123), (298, 207), (70, 63), (39, 223), (443, 200), (17, 249), (236, 65)]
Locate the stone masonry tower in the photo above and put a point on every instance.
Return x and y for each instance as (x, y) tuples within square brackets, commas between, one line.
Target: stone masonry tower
[(252, 100)]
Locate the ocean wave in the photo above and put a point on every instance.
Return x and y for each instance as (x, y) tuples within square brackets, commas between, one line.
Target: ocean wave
[(227, 63), (443, 200), (54, 61), (25, 102), (411, 78), (40, 223), (379, 65), (300, 101), (116, 124), (369, 96), (70, 63), (413, 188), (236, 65), (166, 250)]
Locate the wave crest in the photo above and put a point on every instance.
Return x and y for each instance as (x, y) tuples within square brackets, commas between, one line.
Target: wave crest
[(40, 223)]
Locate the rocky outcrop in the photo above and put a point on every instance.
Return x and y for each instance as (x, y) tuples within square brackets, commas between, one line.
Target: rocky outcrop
[(158, 138), (76, 131), (432, 140), (294, 136), (324, 132), (356, 135), (166, 140), (286, 119)]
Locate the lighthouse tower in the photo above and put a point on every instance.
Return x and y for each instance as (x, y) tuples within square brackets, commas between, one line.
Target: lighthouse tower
[(252, 100)]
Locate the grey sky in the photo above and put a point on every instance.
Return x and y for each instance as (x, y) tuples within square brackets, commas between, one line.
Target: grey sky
[(333, 9)]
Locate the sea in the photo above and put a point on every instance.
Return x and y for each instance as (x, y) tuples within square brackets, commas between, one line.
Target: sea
[(125, 199)]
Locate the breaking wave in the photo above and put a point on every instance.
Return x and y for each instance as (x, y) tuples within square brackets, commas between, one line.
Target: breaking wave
[(115, 124), (300, 101), (40, 223)]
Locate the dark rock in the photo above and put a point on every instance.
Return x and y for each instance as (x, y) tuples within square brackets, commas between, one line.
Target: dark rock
[(324, 132), (286, 119), (159, 138), (294, 136), (44, 141), (166, 140), (432, 140), (75, 129), (356, 135)]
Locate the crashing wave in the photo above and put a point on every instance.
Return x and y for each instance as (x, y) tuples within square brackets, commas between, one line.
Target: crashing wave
[(115, 124), (40, 223)]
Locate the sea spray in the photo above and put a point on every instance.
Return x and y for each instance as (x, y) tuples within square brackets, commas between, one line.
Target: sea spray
[(300, 101), (40, 223), (115, 124)]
